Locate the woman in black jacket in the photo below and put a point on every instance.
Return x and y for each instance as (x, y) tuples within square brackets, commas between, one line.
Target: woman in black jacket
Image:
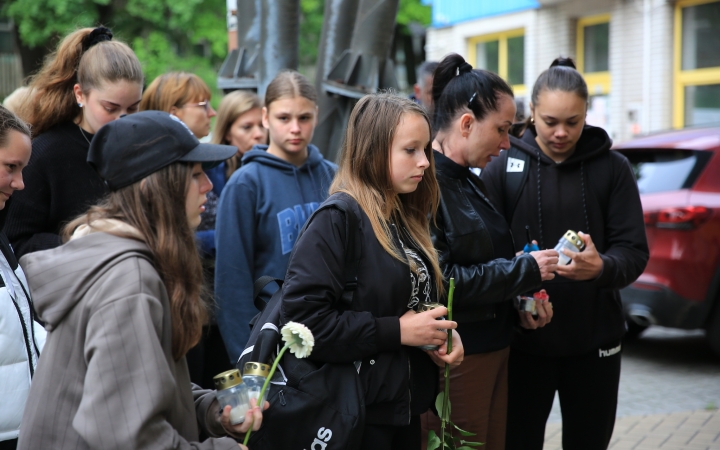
[(474, 110), (387, 177), (572, 181)]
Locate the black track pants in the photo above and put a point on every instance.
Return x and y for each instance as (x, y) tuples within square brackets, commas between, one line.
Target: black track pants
[(588, 389), (388, 437)]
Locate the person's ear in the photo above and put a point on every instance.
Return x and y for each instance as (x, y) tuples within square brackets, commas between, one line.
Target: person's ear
[(317, 112), (265, 118), (417, 91), (79, 96), (467, 121)]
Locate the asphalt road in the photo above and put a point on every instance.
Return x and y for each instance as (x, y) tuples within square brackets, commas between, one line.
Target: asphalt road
[(665, 371)]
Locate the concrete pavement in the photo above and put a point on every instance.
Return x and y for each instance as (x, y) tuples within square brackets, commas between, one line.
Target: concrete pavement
[(696, 430), (668, 398)]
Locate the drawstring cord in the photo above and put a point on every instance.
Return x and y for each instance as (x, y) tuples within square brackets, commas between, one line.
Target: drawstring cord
[(539, 199)]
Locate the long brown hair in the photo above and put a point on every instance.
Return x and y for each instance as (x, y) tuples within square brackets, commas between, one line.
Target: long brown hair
[(155, 207), (232, 106), (174, 89), (364, 174), (74, 62)]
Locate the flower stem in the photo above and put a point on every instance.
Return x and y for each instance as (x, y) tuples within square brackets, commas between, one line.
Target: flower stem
[(445, 416), (261, 397)]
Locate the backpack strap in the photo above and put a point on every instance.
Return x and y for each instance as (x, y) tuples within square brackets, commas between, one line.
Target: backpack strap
[(353, 246), (516, 172), (259, 285)]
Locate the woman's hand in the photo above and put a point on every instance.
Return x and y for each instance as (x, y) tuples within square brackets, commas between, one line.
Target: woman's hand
[(454, 358), (547, 260), (253, 417), (585, 265), (423, 328), (544, 313)]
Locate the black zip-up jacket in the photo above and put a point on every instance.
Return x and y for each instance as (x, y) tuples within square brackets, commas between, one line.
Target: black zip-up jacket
[(593, 191), (486, 277), (392, 375)]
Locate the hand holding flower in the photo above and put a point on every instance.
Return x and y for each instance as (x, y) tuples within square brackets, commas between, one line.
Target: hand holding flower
[(418, 329), (253, 418), (454, 358)]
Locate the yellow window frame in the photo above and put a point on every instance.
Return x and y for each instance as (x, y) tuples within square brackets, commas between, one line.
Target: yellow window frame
[(684, 78), (593, 79), (502, 38)]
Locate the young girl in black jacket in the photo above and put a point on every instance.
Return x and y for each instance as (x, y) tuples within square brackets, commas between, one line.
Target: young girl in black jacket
[(574, 182), (387, 176)]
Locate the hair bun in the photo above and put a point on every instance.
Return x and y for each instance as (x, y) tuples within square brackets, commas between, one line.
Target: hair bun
[(464, 68), (97, 35), (564, 62)]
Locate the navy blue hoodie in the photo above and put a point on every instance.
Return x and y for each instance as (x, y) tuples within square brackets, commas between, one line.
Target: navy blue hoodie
[(264, 205)]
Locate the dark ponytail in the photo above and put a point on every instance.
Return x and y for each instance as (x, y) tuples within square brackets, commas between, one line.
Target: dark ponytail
[(561, 76), (458, 87)]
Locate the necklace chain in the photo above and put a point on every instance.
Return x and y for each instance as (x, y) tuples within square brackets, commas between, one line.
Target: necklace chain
[(83, 134)]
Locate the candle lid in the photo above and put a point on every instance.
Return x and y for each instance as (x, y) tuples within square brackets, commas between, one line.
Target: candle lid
[(576, 240), (422, 307), (227, 379), (256, 368)]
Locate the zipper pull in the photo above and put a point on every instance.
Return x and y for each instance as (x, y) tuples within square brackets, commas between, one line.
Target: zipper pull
[(282, 398)]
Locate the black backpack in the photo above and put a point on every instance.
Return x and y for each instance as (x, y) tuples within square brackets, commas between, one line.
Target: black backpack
[(312, 406)]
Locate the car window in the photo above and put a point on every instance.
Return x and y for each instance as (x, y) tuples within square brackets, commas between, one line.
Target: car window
[(666, 169)]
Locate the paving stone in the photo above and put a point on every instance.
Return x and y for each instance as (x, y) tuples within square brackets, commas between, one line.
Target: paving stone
[(668, 397)]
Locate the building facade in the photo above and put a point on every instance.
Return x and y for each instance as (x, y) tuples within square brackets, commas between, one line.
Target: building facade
[(650, 65)]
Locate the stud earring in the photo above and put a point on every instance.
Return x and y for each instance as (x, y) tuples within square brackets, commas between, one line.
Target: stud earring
[(80, 104), (532, 120)]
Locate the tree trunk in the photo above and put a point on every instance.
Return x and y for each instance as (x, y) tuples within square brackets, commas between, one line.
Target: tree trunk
[(32, 58)]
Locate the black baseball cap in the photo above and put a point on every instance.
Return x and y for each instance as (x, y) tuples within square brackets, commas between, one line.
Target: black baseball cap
[(129, 149)]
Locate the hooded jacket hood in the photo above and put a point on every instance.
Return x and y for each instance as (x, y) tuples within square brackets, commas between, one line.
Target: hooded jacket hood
[(259, 153), (56, 290), (593, 142)]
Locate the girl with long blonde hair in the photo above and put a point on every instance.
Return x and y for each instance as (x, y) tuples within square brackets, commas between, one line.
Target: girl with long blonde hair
[(387, 178)]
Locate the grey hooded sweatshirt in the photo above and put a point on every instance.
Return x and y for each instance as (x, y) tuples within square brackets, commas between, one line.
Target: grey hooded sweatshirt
[(107, 378)]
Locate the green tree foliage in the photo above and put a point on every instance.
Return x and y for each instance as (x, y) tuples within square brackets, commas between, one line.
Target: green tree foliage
[(166, 35), (413, 11)]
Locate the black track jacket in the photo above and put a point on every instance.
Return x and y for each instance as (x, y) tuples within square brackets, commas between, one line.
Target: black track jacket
[(392, 374), (588, 314)]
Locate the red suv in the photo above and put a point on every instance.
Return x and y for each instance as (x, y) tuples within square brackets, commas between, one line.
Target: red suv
[(678, 176)]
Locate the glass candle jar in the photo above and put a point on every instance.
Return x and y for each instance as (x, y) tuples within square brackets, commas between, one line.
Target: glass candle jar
[(422, 307), (570, 241), (233, 392), (254, 376)]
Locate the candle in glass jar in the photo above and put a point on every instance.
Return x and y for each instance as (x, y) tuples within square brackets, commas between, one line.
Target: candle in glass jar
[(254, 375), (231, 391)]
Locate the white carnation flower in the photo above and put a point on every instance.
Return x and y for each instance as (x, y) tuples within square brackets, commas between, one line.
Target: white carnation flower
[(299, 338)]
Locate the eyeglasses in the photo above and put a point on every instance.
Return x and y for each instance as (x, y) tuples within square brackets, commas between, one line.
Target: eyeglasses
[(205, 104)]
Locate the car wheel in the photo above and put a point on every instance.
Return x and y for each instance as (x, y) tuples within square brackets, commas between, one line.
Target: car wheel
[(634, 330), (713, 330)]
